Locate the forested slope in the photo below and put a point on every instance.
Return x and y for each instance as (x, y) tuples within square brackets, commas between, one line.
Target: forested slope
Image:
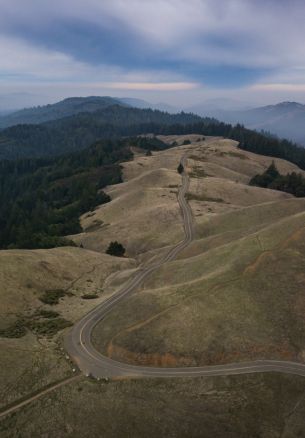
[(79, 131), (42, 199)]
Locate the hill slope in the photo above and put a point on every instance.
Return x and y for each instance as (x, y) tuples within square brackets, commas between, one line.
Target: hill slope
[(65, 108), (212, 305)]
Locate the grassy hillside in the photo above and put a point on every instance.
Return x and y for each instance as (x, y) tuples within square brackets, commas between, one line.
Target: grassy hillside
[(269, 406), (31, 326), (235, 293), (213, 304)]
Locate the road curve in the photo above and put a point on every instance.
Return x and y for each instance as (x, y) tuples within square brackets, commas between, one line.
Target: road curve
[(78, 340)]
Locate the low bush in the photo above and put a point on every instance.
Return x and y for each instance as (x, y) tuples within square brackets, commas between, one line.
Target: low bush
[(52, 296)]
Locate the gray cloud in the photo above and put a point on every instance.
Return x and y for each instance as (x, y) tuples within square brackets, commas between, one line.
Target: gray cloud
[(144, 41)]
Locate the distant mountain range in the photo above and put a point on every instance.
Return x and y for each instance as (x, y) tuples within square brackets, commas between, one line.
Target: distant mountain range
[(72, 106), (65, 108), (139, 103), (286, 119)]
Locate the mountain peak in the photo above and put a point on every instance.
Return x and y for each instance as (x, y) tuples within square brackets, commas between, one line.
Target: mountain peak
[(291, 104)]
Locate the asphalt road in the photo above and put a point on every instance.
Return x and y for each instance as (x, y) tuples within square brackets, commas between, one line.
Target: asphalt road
[(78, 341)]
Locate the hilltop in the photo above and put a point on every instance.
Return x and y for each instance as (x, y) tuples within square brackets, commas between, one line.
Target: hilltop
[(65, 108)]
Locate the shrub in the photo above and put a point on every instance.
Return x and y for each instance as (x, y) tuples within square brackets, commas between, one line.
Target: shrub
[(52, 296), (16, 330), (180, 168), (49, 327), (89, 296), (48, 313), (116, 249)]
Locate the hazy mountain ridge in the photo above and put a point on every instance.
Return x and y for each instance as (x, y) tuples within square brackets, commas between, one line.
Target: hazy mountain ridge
[(285, 119), (65, 108), (140, 103), (72, 106)]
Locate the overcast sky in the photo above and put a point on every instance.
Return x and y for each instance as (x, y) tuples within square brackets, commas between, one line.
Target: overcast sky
[(177, 51)]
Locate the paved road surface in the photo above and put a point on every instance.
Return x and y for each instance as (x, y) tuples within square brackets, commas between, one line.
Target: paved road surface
[(78, 341)]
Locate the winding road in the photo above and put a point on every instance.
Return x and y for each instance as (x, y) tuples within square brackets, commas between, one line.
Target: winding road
[(80, 348)]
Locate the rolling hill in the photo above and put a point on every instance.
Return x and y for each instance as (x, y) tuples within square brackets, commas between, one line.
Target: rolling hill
[(235, 293), (65, 108)]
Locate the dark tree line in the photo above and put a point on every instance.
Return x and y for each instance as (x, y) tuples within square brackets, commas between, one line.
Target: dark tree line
[(77, 132)]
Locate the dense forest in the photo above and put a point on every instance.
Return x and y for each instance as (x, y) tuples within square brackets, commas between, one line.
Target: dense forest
[(293, 183), (42, 199), (80, 131)]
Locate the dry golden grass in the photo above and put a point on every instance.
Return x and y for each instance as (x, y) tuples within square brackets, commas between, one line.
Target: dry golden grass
[(213, 304), (33, 360), (258, 405)]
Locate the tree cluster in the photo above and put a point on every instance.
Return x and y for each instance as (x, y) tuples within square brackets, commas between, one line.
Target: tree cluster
[(116, 249), (293, 183), (79, 131)]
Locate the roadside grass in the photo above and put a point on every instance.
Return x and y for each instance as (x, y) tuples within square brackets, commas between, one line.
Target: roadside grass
[(258, 405), (226, 294), (43, 323)]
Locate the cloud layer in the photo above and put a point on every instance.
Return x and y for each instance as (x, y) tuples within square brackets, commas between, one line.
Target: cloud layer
[(160, 45)]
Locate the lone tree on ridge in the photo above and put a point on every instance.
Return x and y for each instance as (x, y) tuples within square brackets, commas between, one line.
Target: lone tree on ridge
[(180, 168)]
